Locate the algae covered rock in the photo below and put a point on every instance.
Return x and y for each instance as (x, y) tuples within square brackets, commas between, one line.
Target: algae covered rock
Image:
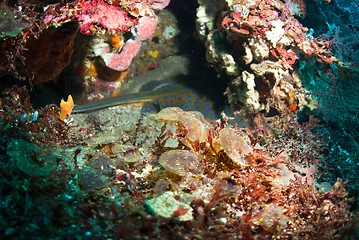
[(30, 158), (97, 175), (167, 206), (10, 25)]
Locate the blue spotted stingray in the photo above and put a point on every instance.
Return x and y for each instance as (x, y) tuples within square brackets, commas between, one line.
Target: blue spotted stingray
[(158, 95)]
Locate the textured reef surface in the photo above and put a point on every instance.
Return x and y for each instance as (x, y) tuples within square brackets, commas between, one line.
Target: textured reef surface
[(159, 119)]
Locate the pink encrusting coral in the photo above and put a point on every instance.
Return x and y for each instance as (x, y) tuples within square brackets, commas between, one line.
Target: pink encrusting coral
[(286, 58), (123, 60), (144, 31), (108, 16), (146, 28), (99, 17)]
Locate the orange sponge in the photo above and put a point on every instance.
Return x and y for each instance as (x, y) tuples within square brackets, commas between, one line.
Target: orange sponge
[(66, 107)]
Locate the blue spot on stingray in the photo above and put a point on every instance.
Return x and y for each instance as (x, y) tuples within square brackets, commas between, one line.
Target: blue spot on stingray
[(164, 97), (206, 100), (189, 101), (207, 105), (189, 96), (198, 98), (179, 98)]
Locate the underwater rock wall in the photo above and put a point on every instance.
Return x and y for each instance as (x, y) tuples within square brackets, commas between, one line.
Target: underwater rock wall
[(122, 173), (261, 45)]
